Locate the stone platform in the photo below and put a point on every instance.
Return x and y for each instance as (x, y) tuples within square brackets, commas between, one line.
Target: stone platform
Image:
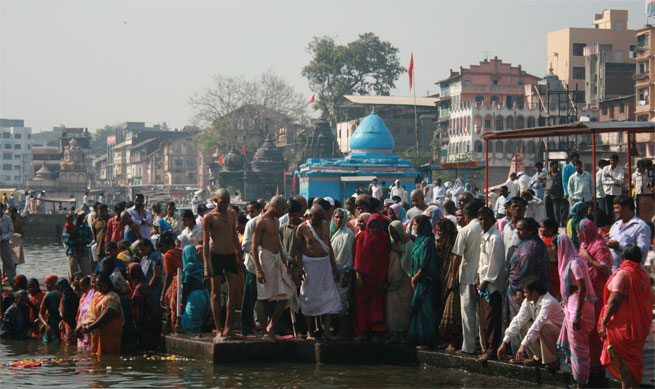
[(348, 352)]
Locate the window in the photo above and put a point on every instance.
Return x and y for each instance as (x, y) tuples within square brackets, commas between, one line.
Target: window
[(16, 178), (578, 49), (467, 81), (479, 99), (6, 135), (17, 146), (621, 108), (29, 147), (519, 82), (618, 26), (611, 111), (16, 156), (604, 109), (6, 156), (179, 163), (631, 54), (17, 167), (618, 56), (487, 123), (577, 73), (8, 146), (494, 99), (6, 166), (494, 81), (642, 67), (189, 163), (29, 136), (17, 136), (643, 96), (409, 130)]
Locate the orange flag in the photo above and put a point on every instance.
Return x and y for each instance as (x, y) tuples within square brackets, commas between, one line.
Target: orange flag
[(220, 160)]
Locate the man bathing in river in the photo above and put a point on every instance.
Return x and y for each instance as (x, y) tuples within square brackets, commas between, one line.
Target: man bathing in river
[(220, 238), (273, 280), (315, 257)]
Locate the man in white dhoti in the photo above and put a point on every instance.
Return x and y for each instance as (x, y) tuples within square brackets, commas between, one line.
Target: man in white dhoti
[(273, 280), (318, 292)]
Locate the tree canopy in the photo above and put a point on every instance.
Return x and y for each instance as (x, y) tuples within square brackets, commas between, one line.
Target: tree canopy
[(237, 111), (364, 66)]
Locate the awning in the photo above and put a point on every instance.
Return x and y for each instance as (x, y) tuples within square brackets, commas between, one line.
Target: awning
[(577, 128)]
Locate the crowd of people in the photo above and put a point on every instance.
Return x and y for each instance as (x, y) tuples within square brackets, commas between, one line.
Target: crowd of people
[(446, 272)]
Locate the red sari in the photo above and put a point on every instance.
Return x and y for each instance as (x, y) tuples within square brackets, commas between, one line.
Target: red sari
[(371, 264), (37, 331), (628, 328)]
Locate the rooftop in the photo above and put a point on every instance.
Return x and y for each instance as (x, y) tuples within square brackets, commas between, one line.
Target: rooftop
[(349, 100)]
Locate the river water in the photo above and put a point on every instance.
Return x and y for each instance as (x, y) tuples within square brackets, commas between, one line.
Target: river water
[(65, 367)]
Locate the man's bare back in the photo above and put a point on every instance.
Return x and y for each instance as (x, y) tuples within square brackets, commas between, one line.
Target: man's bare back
[(308, 245), (220, 228)]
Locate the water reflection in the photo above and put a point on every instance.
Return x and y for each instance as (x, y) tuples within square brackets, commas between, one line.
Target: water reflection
[(44, 257), (72, 370)]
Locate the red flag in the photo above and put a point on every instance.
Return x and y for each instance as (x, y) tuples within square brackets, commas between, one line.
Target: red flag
[(411, 71), (62, 126), (284, 175), (293, 185), (521, 148), (220, 160), (311, 100), (243, 149)]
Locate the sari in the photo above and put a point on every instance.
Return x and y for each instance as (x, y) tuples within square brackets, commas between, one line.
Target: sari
[(68, 310), (595, 244), (575, 343), (35, 304), (399, 213), (422, 329), (128, 338), (196, 309), (628, 329), (554, 273), (399, 286), (82, 309), (172, 262), (106, 339), (371, 263), (449, 316), (147, 315), (529, 259), (51, 302), (575, 217), (342, 240)]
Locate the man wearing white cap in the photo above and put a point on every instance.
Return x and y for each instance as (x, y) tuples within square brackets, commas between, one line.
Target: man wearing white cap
[(397, 190), (329, 212)]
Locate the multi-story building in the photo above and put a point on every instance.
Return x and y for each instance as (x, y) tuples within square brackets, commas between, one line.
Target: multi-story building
[(566, 47), (605, 79), (645, 87), (617, 109), (15, 152)]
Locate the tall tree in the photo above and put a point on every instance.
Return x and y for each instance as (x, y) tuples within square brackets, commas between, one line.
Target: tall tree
[(364, 66), (99, 139), (236, 110)]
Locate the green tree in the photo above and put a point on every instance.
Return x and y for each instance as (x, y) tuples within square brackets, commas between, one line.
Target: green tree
[(424, 156), (364, 66), (99, 139)]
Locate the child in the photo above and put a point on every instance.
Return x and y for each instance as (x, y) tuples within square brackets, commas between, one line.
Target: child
[(70, 232), (548, 231), (125, 255)]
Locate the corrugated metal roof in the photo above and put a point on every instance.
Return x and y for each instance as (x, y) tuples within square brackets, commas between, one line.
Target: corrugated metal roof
[(388, 100), (577, 128)]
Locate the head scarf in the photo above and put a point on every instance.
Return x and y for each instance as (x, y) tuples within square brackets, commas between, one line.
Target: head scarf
[(399, 213), (595, 244), (435, 214), (120, 285), (51, 278), (20, 282), (403, 247), (566, 255), (575, 216), (333, 225), (363, 216), (135, 274), (69, 301), (192, 268)]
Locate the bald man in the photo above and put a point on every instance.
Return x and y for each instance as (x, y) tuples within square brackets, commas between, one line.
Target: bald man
[(318, 293), (273, 281), (419, 204), (221, 254)]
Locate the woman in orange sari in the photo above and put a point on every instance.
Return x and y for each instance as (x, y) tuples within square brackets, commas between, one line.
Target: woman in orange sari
[(626, 319), (104, 319)]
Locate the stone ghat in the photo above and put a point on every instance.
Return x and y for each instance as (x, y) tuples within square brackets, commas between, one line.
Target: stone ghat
[(299, 350)]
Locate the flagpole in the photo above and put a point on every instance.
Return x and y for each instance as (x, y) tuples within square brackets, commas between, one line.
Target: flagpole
[(415, 114)]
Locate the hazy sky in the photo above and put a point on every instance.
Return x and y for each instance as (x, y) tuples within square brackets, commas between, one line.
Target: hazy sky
[(91, 63)]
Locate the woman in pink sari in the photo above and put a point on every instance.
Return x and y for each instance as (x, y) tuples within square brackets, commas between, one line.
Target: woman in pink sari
[(578, 297), (596, 253), (88, 291)]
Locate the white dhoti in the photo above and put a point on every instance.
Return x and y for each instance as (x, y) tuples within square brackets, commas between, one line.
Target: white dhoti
[(16, 246), (318, 293), (278, 283)]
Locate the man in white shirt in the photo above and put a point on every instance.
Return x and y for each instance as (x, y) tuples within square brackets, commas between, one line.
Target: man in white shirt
[(194, 204), (512, 185), (397, 189), (467, 255), (250, 279), (511, 239), (419, 204), (627, 229), (523, 181), (438, 193), (491, 279), (538, 322), (499, 208), (375, 189), (580, 186), (600, 192), (613, 176), (6, 232), (639, 179)]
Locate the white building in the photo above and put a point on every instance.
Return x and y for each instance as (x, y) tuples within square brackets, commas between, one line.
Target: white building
[(15, 152)]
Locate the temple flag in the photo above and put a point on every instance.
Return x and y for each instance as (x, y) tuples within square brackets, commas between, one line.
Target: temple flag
[(311, 100), (243, 149), (650, 8), (277, 190), (220, 160), (411, 71), (521, 148)]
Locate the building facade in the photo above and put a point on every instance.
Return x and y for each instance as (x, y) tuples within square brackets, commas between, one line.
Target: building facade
[(15, 153), (566, 47), (605, 79)]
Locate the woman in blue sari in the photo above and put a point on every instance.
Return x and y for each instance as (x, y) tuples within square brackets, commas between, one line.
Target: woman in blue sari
[(196, 308), (425, 282)]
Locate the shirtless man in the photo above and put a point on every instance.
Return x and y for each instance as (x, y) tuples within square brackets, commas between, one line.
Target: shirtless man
[(220, 231), (273, 281), (318, 293)]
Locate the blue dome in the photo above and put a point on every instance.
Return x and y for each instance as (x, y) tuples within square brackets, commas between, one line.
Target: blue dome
[(372, 134)]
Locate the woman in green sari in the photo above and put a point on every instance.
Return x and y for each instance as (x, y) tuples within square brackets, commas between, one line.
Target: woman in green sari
[(342, 240), (425, 282), (399, 286), (49, 312), (449, 319)]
